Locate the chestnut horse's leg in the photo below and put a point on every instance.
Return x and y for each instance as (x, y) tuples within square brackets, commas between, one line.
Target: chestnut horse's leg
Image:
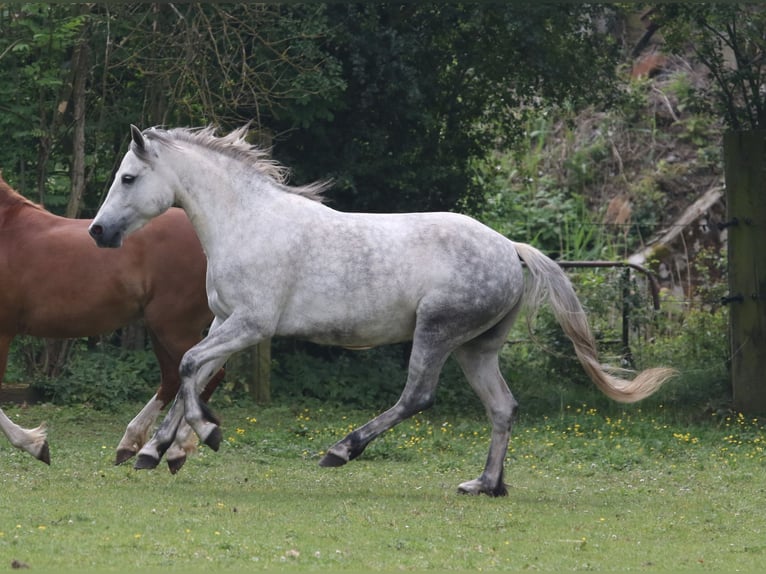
[(137, 432), (32, 441)]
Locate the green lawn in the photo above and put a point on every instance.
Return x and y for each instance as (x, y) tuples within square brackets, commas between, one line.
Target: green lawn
[(588, 491)]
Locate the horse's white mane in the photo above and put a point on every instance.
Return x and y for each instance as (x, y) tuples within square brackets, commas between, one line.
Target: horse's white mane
[(235, 145)]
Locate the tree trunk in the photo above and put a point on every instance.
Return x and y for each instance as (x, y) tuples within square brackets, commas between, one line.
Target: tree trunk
[(80, 74), (57, 351)]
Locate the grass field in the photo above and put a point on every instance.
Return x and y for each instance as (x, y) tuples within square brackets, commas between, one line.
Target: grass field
[(624, 490)]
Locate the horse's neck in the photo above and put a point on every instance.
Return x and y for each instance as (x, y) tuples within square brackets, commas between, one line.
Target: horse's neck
[(251, 205)]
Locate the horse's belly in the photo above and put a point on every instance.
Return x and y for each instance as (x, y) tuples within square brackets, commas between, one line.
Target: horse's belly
[(362, 328)]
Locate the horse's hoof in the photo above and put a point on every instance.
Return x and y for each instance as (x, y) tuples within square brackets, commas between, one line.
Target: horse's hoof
[(331, 460), (145, 462), (175, 464), (45, 454), (123, 455), (477, 487), (214, 439), (466, 491)]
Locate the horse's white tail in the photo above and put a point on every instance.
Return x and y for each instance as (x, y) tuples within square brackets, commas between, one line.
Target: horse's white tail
[(547, 280)]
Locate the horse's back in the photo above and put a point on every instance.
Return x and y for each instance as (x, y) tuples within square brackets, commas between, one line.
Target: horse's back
[(368, 278)]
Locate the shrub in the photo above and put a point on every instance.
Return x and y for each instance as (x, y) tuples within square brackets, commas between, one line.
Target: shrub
[(103, 378)]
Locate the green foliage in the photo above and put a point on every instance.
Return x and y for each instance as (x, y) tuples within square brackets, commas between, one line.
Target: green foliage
[(527, 199), (371, 379), (402, 105), (429, 89), (728, 40), (699, 349), (362, 379), (104, 378), (35, 46)]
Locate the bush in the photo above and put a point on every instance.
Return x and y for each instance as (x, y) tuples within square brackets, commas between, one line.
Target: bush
[(104, 378), (699, 349)]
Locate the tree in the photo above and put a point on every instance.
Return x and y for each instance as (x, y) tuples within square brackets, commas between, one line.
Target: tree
[(149, 64), (729, 40), (36, 80), (431, 88)]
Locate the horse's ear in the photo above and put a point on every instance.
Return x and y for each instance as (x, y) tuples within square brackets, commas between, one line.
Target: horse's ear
[(138, 137)]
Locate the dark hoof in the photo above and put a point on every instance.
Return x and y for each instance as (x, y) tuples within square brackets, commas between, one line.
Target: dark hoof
[(145, 462), (123, 455), (45, 454), (331, 460), (213, 440), (494, 493), (176, 464)]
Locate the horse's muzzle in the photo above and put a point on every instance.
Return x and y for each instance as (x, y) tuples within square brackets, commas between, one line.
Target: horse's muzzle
[(103, 237)]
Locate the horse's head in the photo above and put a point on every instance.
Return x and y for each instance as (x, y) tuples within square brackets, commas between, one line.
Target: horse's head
[(141, 191)]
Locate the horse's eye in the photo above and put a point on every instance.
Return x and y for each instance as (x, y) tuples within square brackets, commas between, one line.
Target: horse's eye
[(128, 179)]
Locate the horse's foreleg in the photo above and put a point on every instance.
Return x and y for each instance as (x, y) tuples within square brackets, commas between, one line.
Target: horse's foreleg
[(138, 429), (186, 441), (418, 395), (200, 363), (150, 454)]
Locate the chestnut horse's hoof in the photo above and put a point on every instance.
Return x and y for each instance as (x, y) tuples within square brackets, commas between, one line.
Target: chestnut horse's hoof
[(331, 460), (45, 454), (146, 462), (176, 464), (123, 455)]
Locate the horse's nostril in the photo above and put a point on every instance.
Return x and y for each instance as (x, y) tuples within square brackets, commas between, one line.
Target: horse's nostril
[(96, 231)]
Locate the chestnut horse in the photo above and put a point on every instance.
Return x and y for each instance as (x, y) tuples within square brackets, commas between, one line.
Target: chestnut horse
[(56, 283)]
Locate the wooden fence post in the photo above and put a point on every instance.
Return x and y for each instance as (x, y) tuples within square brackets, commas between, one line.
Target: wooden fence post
[(745, 170), (260, 387), (252, 369)]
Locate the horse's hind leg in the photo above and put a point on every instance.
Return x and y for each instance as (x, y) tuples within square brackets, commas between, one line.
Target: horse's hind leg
[(32, 441), (422, 379), (479, 360), (483, 372)]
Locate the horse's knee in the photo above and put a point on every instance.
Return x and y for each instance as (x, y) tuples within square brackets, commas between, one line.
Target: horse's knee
[(188, 367)]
